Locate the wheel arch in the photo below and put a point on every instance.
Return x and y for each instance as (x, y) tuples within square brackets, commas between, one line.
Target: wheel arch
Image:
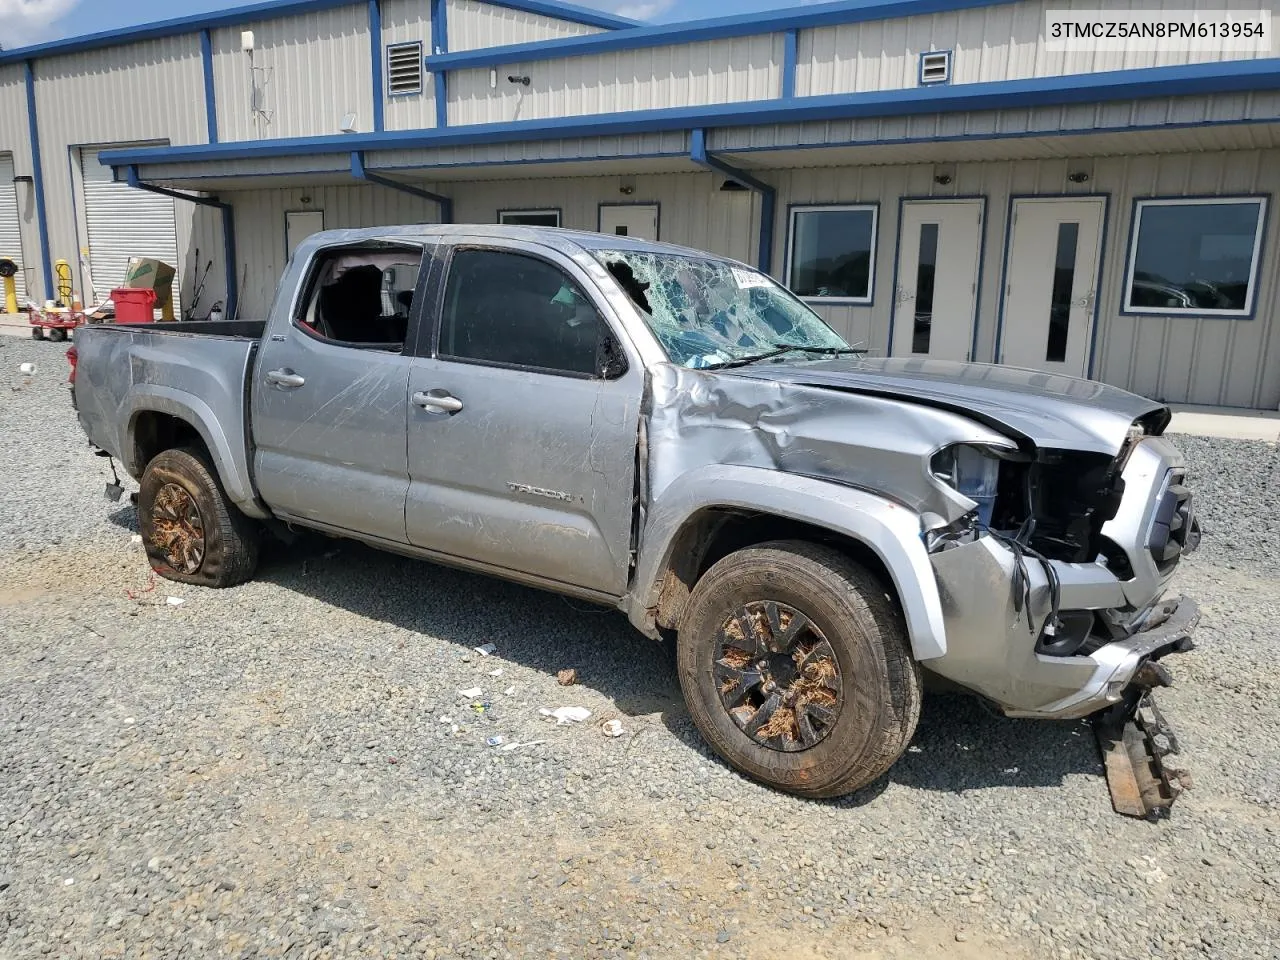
[(710, 512), (161, 418)]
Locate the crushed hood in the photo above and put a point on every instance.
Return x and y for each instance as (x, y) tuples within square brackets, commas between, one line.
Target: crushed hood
[(1046, 409)]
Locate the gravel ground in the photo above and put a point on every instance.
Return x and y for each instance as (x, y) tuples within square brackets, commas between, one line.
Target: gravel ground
[(274, 770)]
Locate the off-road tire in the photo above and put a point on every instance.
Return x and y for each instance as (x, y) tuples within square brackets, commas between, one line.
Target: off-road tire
[(882, 683), (230, 538)]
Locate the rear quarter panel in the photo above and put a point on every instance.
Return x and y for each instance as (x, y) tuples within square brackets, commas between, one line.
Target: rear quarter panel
[(198, 378)]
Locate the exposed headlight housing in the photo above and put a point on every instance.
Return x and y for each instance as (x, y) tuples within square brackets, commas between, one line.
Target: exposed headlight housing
[(972, 470)]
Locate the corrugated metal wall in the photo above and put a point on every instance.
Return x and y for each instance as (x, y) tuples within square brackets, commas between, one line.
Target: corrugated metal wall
[(313, 70), (720, 71), (692, 210), (150, 91), (403, 21), (1001, 42), (260, 239), (1230, 362), (473, 25), (13, 114)]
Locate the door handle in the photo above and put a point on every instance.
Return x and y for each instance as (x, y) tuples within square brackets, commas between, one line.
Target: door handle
[(437, 402), (285, 378)]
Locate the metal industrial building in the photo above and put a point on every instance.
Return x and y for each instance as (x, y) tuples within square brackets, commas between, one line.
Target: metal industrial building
[(929, 174)]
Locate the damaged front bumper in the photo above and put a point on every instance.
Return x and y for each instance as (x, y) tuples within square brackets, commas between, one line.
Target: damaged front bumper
[(996, 641)]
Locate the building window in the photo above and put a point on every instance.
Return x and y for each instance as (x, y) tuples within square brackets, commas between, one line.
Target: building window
[(404, 68), (530, 218), (833, 253), (1195, 257)]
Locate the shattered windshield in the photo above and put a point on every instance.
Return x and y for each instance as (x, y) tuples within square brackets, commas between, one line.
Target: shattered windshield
[(712, 313)]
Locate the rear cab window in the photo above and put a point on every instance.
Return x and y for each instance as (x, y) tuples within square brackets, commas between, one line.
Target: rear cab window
[(361, 296)]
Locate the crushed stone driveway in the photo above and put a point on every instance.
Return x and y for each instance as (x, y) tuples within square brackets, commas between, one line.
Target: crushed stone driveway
[(291, 768)]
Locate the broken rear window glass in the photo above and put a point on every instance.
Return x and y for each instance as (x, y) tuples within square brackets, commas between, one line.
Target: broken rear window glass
[(708, 313)]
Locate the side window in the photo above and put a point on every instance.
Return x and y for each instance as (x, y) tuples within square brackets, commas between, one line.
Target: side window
[(507, 308), (361, 296)]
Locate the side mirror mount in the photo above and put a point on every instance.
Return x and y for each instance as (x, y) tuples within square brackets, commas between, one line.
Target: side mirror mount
[(611, 362)]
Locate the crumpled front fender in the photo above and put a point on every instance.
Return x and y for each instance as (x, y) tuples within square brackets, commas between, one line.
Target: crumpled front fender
[(890, 530)]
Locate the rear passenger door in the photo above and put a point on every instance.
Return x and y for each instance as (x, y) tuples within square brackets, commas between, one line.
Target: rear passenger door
[(523, 418), (330, 389)]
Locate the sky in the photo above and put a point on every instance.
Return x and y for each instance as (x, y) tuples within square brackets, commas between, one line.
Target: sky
[(24, 22)]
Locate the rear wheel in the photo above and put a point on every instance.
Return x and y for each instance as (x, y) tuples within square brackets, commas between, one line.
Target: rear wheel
[(797, 670), (191, 531), (57, 334)]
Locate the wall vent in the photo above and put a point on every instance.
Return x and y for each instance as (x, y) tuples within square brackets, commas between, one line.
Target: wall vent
[(935, 67), (404, 68)]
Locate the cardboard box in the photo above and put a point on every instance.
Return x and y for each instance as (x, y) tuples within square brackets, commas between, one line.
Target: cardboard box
[(150, 274)]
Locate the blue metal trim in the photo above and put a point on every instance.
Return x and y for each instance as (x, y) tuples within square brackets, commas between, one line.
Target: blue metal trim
[(375, 56), (210, 98), (447, 166), (897, 251), (360, 173), (629, 203), (789, 57), (271, 9), (439, 45), (872, 276), (951, 63), (1255, 277), (768, 194), (228, 230), (1225, 77), (1008, 245), (37, 178), (718, 28)]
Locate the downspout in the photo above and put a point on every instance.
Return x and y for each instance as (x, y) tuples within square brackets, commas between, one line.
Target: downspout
[(360, 173), (440, 78), (228, 230), (768, 194), (37, 179)]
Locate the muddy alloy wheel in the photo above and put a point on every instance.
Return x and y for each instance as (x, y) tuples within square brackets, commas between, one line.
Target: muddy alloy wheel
[(191, 531), (778, 676), (797, 670), (179, 530)]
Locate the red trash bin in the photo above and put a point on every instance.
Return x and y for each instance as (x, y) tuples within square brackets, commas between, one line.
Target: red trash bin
[(134, 305)]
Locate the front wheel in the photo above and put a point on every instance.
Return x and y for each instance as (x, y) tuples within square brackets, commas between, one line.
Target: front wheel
[(37, 333), (796, 669), (191, 531)]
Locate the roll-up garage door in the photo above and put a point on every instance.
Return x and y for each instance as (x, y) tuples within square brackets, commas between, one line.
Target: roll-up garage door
[(123, 222), (10, 226)]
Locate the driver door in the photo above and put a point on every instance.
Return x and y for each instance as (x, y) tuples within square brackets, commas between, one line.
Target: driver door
[(522, 447)]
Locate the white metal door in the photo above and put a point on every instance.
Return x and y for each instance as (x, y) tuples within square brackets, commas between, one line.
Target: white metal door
[(300, 224), (630, 220), (10, 227), (1051, 283), (939, 253), (122, 222)]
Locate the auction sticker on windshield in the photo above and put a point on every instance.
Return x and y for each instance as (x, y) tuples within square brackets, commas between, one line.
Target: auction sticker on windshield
[(746, 279)]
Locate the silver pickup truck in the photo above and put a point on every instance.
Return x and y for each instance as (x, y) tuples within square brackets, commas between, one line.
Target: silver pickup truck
[(673, 434)]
